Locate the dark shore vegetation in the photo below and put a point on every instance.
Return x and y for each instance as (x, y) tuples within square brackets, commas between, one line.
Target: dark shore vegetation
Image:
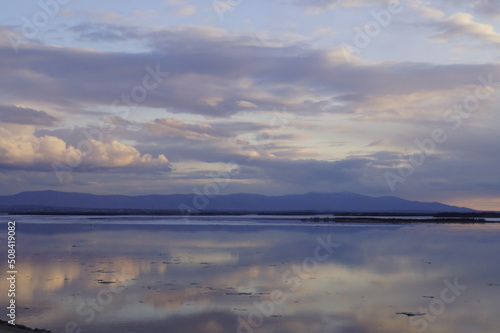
[(451, 220), (6, 327), (333, 216)]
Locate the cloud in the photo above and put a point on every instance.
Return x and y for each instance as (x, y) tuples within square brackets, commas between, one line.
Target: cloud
[(423, 107), (380, 142), (169, 127), (213, 141), (180, 8), (426, 11), (29, 152), (186, 10), (487, 7), (213, 73), (99, 32), (483, 7), (246, 104), (26, 116), (223, 87), (108, 17), (325, 31), (462, 25), (319, 6), (115, 154), (336, 172)]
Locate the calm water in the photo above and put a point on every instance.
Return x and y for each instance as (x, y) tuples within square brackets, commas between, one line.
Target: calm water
[(243, 275)]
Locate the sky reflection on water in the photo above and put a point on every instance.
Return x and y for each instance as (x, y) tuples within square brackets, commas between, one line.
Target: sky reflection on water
[(255, 278)]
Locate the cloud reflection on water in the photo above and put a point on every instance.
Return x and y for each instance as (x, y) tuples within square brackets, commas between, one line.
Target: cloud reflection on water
[(183, 278)]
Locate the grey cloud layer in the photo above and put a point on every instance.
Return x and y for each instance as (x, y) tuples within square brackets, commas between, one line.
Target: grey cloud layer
[(26, 116), (483, 7), (217, 75)]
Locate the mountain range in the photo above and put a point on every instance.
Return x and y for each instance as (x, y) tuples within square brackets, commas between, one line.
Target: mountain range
[(310, 202)]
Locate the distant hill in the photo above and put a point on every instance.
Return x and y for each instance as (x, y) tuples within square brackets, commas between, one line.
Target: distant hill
[(312, 202)]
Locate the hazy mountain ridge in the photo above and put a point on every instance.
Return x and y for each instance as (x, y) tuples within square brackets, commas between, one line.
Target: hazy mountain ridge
[(318, 202)]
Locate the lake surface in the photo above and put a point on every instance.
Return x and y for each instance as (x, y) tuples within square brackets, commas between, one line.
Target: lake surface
[(227, 274)]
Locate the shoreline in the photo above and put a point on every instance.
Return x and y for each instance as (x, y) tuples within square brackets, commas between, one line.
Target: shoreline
[(315, 213), (374, 220), (5, 327)]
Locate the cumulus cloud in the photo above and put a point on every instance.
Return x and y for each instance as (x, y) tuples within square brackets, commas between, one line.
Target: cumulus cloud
[(118, 155), (26, 116), (463, 25), (30, 152), (25, 151)]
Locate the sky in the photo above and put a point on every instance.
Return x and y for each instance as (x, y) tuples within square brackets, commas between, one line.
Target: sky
[(272, 97)]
